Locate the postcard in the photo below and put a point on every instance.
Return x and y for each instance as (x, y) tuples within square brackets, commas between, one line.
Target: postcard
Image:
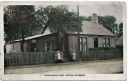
[(63, 40)]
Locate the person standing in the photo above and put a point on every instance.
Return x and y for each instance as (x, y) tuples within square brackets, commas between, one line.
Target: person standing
[(62, 54), (74, 56), (58, 56)]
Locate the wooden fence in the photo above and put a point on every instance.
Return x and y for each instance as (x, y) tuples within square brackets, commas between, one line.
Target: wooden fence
[(100, 54), (29, 58), (15, 59)]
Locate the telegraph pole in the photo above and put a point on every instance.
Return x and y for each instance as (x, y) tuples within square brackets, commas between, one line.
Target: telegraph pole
[(78, 33)]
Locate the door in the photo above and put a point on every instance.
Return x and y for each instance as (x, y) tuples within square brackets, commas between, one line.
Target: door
[(95, 42)]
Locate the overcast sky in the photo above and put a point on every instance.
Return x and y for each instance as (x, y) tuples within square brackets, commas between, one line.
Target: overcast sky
[(87, 8), (101, 8)]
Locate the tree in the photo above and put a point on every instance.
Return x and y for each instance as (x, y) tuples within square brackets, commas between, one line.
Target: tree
[(89, 18), (20, 21), (108, 22), (61, 21), (120, 32)]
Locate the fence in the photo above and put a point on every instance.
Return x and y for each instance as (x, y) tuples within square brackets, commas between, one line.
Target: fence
[(100, 55), (29, 58), (13, 59)]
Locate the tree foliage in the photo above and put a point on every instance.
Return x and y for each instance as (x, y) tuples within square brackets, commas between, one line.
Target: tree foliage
[(120, 30), (109, 22), (20, 21), (60, 20)]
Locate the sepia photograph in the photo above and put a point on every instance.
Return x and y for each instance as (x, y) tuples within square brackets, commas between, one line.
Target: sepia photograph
[(64, 39)]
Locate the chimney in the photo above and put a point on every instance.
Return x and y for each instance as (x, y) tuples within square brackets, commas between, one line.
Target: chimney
[(94, 18)]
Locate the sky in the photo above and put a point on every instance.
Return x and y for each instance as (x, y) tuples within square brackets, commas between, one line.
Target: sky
[(100, 8)]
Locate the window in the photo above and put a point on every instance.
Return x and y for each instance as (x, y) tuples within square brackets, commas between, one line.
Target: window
[(47, 46), (83, 43), (106, 42), (33, 45)]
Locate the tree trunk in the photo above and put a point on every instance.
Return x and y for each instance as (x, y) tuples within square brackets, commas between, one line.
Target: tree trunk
[(22, 41), (58, 42), (67, 45)]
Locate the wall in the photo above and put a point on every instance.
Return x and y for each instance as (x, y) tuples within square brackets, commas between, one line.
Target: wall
[(112, 42), (40, 43), (9, 48), (26, 46), (90, 41), (73, 43), (17, 47), (100, 41)]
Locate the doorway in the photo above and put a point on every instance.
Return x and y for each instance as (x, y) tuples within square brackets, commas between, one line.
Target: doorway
[(95, 42)]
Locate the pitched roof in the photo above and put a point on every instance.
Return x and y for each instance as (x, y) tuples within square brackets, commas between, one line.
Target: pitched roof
[(92, 28), (88, 27), (46, 32)]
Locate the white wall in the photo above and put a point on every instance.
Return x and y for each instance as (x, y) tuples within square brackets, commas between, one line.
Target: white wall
[(9, 48), (100, 42), (112, 42), (90, 41), (17, 47)]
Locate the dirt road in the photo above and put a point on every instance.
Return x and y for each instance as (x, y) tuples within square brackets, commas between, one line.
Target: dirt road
[(87, 67)]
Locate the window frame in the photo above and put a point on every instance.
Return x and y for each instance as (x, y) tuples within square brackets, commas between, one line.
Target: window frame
[(33, 44), (106, 44), (83, 44)]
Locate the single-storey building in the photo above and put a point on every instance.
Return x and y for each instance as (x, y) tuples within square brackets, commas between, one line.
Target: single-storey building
[(93, 35)]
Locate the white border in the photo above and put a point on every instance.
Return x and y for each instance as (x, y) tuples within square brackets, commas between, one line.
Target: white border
[(39, 76)]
